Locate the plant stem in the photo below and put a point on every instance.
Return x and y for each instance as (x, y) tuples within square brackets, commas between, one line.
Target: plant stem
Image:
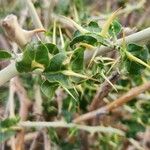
[(141, 36), (7, 73), (115, 104), (144, 35), (61, 124)]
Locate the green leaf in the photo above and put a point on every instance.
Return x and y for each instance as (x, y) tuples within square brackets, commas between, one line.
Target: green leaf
[(133, 128), (77, 59), (25, 64), (93, 27), (83, 38), (89, 38), (58, 77), (134, 68), (7, 123), (49, 88), (115, 28), (5, 128), (52, 48), (138, 51), (5, 55), (41, 54), (56, 62), (34, 56)]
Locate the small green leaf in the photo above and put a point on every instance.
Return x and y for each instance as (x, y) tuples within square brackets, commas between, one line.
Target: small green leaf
[(41, 54), (56, 61), (58, 77), (77, 59), (5, 128), (133, 128), (93, 27), (115, 28), (135, 68), (5, 55), (49, 88), (34, 56), (83, 38), (89, 38), (7, 123), (52, 48), (138, 51)]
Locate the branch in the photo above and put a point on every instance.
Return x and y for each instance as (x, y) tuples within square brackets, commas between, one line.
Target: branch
[(116, 103), (7, 73), (60, 124), (141, 36), (103, 91), (138, 37)]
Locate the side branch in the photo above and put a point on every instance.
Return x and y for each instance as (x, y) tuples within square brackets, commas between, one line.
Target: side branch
[(60, 124), (116, 103)]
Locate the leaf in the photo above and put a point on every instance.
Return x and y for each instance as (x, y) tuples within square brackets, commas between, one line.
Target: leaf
[(89, 38), (138, 51), (5, 55), (49, 88), (56, 62), (34, 56), (58, 77), (53, 79), (41, 54), (25, 64), (5, 128), (52, 48), (7, 123), (77, 59), (93, 27), (83, 38), (115, 28), (133, 127), (136, 63)]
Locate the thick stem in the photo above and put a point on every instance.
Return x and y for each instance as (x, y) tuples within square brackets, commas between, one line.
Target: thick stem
[(141, 36), (7, 73)]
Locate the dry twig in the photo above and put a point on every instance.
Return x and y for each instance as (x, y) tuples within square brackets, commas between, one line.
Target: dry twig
[(103, 91), (116, 103)]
